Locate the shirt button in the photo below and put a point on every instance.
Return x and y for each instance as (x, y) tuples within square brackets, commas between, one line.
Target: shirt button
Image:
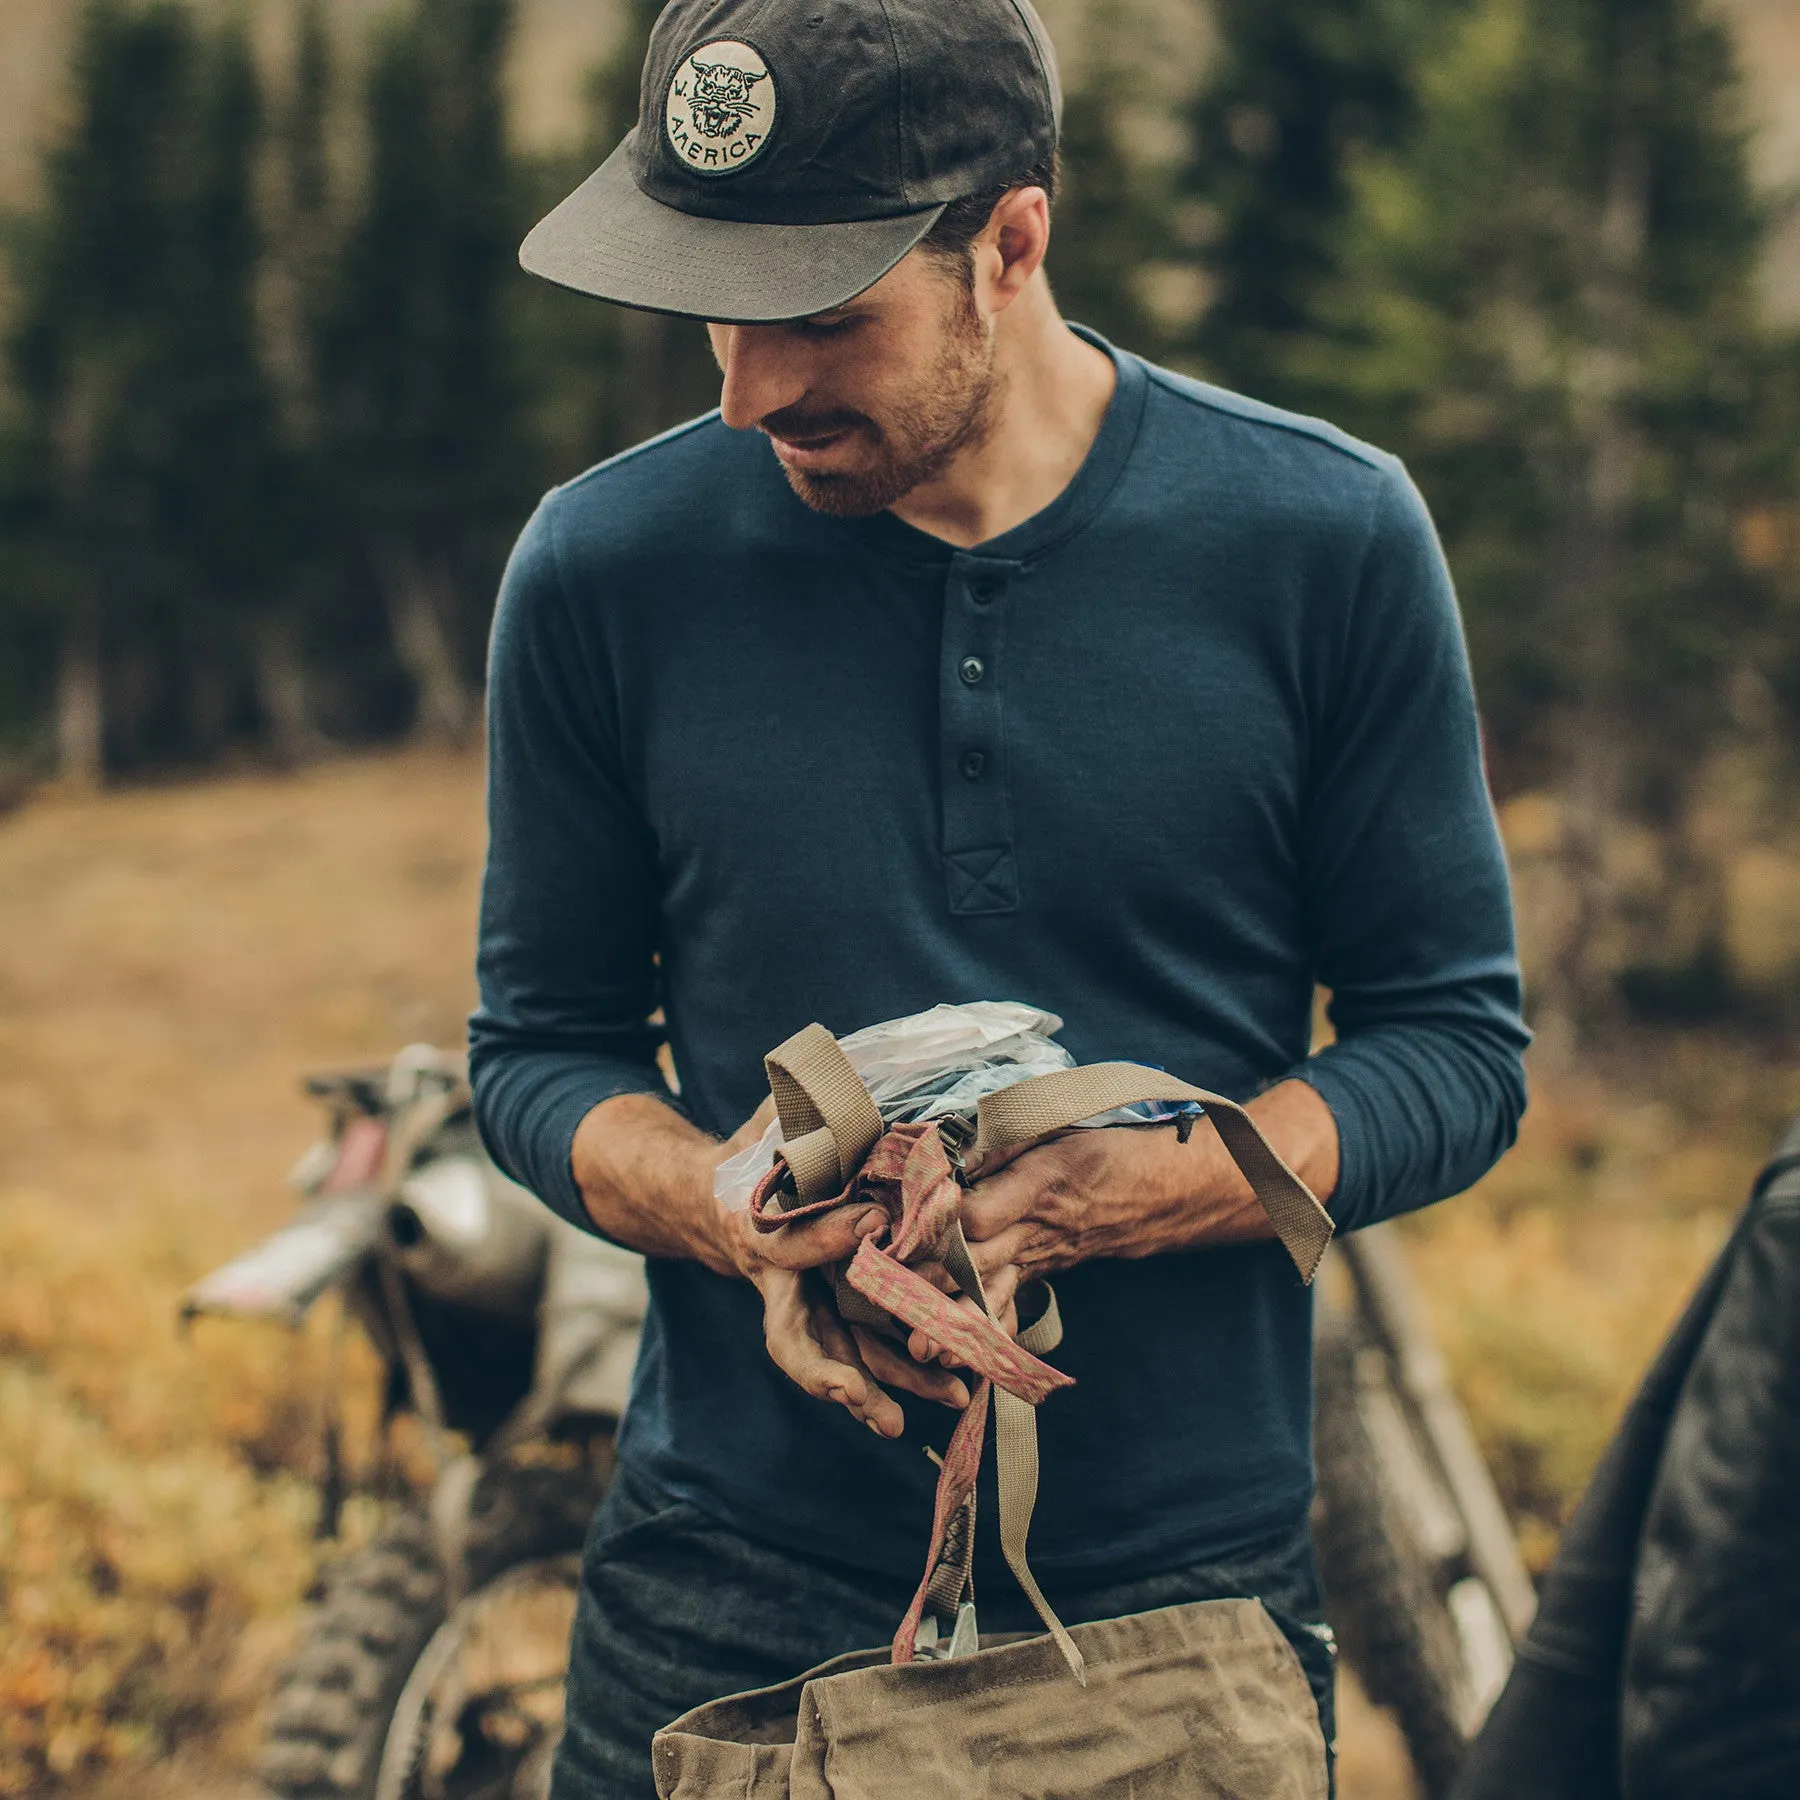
[(984, 591), (971, 669), (972, 764)]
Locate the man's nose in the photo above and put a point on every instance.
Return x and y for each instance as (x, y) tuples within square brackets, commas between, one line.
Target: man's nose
[(760, 374)]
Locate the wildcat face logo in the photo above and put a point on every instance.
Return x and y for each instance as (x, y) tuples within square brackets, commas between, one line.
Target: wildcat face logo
[(721, 107)]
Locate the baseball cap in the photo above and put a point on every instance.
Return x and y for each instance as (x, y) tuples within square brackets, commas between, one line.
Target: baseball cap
[(789, 152)]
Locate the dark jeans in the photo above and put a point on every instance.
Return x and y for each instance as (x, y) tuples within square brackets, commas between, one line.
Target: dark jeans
[(677, 1609)]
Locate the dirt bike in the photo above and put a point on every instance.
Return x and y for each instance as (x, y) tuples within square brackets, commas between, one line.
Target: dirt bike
[(432, 1662), (1424, 1586)]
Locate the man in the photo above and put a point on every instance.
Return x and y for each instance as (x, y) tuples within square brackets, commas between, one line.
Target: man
[(959, 656)]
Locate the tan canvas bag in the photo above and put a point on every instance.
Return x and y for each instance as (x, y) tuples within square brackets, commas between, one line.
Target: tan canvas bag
[(1206, 1699)]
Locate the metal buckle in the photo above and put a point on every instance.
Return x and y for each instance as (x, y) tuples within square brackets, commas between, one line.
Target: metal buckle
[(957, 1130)]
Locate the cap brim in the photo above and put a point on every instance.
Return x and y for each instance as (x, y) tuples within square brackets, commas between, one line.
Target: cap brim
[(611, 240)]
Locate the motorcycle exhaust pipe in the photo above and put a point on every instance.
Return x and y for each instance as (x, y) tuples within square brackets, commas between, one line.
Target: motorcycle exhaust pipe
[(468, 1238)]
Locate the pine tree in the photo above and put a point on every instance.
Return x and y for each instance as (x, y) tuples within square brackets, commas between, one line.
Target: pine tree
[(89, 355), (1294, 93), (1547, 306), (227, 477), (304, 514), (637, 373), (427, 416), (1113, 214), (146, 449), (302, 200)]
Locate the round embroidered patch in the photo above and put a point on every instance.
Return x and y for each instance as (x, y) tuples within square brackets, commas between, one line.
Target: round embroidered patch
[(721, 107)]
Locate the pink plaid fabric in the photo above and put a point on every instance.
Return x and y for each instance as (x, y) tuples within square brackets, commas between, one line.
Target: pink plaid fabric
[(909, 1175)]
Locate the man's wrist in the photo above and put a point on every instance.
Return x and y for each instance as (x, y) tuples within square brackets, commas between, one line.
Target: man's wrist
[(1187, 1195), (722, 1241), (1196, 1194), (1298, 1121), (645, 1175), (1222, 1206)]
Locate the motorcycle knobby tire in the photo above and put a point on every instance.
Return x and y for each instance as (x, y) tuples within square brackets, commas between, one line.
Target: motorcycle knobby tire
[(380, 1606)]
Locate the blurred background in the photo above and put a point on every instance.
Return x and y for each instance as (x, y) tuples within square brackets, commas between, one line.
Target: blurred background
[(274, 399)]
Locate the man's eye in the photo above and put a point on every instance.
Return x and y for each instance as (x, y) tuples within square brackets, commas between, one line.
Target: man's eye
[(828, 327)]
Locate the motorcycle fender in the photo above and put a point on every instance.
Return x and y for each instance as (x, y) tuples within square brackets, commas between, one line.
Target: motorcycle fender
[(283, 1275)]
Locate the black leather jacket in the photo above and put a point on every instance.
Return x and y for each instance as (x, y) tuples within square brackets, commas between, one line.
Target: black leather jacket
[(1665, 1658)]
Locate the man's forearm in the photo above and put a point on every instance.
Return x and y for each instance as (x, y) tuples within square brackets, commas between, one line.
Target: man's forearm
[(646, 1176), (646, 1179), (1134, 1193), (1193, 1195), (1302, 1132)]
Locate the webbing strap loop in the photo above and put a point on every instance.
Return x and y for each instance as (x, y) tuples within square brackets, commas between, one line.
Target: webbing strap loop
[(1016, 1459), (829, 1124)]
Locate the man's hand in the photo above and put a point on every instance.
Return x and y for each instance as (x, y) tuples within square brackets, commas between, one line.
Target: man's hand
[(646, 1177), (817, 1351), (1086, 1194), (1124, 1192), (807, 1340), (1131, 1192)]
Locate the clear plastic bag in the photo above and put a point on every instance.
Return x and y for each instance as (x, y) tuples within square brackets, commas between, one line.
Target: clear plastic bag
[(943, 1061), (932, 1064)]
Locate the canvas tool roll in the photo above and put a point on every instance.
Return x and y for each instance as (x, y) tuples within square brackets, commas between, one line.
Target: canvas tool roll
[(1190, 1700)]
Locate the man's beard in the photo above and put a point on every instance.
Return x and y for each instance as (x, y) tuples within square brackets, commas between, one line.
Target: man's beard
[(916, 441)]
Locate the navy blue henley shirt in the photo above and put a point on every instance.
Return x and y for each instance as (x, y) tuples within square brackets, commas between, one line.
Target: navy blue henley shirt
[(1197, 736)]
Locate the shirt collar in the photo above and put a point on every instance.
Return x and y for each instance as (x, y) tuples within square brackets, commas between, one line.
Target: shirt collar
[(1086, 493)]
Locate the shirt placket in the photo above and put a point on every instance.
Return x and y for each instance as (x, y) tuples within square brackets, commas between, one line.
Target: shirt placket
[(980, 870)]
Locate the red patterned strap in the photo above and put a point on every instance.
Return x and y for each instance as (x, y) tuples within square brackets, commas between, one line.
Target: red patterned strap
[(949, 1562), (908, 1174), (955, 1496)]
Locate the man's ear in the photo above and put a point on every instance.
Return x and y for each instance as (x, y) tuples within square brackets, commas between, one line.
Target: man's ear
[(1011, 247)]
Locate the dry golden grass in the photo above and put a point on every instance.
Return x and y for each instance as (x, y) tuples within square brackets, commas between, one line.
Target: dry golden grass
[(171, 958)]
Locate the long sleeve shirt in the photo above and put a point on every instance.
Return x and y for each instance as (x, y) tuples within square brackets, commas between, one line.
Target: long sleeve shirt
[(1196, 737)]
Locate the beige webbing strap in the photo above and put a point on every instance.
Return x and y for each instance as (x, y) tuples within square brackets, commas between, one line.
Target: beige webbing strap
[(953, 1579), (959, 1265), (1016, 1465), (1029, 1110), (1016, 1460), (853, 1309), (829, 1124)]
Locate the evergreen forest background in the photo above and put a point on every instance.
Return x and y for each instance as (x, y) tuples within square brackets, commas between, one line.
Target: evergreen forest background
[(274, 396)]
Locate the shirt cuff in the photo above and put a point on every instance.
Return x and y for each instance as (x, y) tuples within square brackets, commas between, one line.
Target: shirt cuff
[(1352, 1202), (530, 1131)]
